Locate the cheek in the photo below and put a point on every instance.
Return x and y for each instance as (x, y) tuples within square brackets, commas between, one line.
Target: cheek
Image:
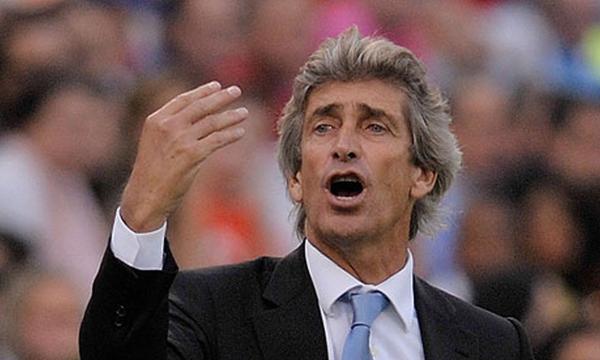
[(311, 171), (310, 186), (396, 179)]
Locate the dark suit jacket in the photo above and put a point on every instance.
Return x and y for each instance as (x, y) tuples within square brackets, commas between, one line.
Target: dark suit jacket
[(262, 309)]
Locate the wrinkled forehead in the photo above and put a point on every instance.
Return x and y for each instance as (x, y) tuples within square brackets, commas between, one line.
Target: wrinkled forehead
[(396, 86), (372, 97)]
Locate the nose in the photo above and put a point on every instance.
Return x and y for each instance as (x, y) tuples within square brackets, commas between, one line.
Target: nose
[(346, 147)]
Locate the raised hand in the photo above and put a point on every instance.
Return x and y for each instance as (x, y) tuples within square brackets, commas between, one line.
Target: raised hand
[(174, 142)]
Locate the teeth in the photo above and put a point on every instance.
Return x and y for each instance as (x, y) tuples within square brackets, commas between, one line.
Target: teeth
[(346, 178)]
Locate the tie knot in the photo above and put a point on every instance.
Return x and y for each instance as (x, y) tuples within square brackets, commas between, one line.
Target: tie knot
[(367, 306)]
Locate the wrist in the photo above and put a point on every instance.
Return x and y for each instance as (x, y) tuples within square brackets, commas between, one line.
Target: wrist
[(140, 223), (139, 217)]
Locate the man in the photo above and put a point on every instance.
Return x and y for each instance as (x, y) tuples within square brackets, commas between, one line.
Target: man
[(64, 130), (367, 153)]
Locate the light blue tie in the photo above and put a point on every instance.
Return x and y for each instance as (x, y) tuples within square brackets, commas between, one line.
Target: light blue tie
[(366, 308)]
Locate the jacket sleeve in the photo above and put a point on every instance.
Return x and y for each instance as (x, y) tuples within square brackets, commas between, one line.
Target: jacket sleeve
[(525, 352), (127, 316), (191, 320)]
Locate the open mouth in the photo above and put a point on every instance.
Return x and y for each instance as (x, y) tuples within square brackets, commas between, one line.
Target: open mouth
[(346, 186)]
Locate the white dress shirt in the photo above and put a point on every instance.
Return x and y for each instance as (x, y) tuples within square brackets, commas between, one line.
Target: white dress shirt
[(395, 334)]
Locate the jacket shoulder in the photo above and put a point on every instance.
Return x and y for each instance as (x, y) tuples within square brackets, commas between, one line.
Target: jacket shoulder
[(467, 314), (495, 334)]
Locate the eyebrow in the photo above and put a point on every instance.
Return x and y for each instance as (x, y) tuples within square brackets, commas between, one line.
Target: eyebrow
[(328, 110), (367, 111)]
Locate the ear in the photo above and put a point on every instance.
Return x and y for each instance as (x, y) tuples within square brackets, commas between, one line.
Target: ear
[(295, 187), (423, 182)]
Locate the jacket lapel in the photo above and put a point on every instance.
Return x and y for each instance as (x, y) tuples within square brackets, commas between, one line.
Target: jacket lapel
[(442, 338), (292, 327)]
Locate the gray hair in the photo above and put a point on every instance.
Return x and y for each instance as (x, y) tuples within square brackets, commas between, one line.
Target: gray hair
[(351, 57)]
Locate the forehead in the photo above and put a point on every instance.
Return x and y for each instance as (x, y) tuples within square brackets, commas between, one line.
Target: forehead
[(373, 93)]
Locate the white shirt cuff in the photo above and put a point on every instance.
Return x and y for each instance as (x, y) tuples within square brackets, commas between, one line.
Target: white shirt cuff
[(142, 251)]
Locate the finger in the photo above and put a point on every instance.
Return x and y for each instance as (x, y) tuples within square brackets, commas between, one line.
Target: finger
[(217, 122), (183, 100), (218, 140), (210, 104)]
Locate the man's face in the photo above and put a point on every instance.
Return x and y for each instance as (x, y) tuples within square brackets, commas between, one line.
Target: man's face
[(357, 181)]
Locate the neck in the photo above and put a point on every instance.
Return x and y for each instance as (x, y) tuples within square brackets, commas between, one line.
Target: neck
[(371, 263)]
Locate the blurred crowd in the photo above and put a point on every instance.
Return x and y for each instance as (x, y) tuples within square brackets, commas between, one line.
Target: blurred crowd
[(78, 78)]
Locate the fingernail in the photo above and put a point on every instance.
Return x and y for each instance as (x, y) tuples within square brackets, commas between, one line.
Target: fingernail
[(214, 85), (240, 131), (234, 90), (242, 111)]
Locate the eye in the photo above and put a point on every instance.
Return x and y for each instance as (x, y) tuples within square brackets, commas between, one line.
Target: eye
[(376, 128), (323, 128)]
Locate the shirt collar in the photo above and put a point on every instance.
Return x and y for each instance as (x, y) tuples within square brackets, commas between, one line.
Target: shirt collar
[(331, 282)]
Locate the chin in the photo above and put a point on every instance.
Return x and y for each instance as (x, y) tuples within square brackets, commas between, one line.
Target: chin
[(342, 234)]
